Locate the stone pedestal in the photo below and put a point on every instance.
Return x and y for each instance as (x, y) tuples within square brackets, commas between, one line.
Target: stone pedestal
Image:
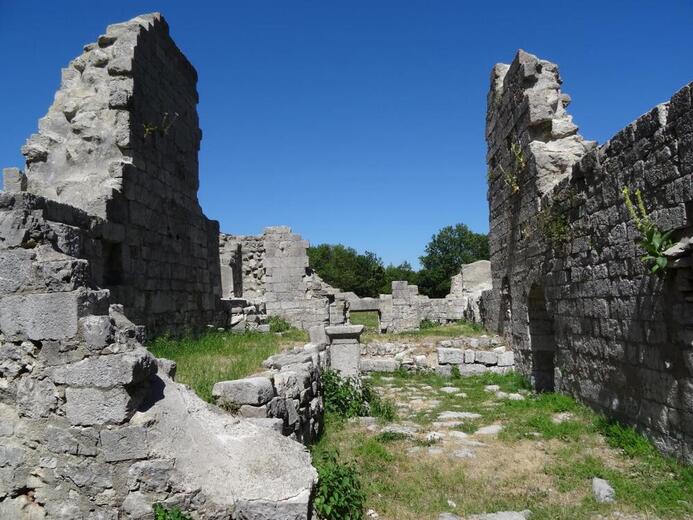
[(345, 349)]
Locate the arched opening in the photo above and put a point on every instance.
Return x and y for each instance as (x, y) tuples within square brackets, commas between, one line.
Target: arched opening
[(542, 341)]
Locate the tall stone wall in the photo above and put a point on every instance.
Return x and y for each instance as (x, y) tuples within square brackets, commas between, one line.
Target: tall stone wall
[(91, 425), (120, 142), (584, 314)]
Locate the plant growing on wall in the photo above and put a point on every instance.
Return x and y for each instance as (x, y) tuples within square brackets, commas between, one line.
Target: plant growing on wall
[(163, 127), (554, 226), (652, 239)]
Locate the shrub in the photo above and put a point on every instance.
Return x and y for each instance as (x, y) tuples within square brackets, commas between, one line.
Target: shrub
[(278, 324), (162, 513), (349, 397), (339, 495), (427, 324)]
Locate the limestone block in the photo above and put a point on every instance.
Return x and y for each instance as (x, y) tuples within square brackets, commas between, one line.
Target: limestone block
[(251, 390), (469, 356), (40, 316), (90, 406), (124, 443), (15, 268), (106, 371), (344, 331), (290, 383), (379, 364), (450, 356), (97, 331), (36, 397), (506, 359), (346, 359), (318, 336), (472, 370), (486, 357)]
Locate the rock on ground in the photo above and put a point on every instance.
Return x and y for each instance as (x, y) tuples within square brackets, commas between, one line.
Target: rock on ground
[(602, 491)]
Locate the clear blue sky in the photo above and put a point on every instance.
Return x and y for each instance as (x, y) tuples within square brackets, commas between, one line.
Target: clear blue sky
[(359, 121)]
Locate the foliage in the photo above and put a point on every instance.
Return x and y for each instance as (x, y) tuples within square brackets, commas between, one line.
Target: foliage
[(349, 397), (162, 513), (625, 438), (653, 240), (428, 324), (448, 250), (403, 271), (278, 324), (345, 268), (206, 359), (554, 226), (161, 128), (339, 494)]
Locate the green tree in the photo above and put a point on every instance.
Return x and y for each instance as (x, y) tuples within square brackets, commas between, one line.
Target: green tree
[(403, 271), (448, 250), (345, 268)]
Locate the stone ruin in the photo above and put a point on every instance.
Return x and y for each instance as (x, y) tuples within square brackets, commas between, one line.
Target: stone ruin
[(102, 238), (273, 272), (583, 313), (102, 230)]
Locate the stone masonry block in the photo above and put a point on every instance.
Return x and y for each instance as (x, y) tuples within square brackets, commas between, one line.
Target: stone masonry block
[(90, 406), (251, 390), (124, 443), (346, 359), (469, 356), (40, 316), (108, 371), (486, 357), (450, 356), (506, 359)]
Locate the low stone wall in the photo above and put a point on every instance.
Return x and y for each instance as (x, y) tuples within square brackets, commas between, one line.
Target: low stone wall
[(287, 397), (469, 355)]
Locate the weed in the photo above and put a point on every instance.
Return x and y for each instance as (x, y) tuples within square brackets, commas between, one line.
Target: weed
[(339, 494), (349, 397), (161, 128), (391, 437), (278, 324), (428, 324), (163, 513), (653, 240)]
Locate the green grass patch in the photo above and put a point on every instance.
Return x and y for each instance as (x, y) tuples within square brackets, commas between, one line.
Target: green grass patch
[(368, 319), (220, 356), (430, 331)]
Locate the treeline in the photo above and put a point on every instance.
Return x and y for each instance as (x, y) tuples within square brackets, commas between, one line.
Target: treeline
[(366, 275)]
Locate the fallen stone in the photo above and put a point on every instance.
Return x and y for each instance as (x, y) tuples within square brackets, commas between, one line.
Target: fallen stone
[(492, 429), (448, 415), (450, 390), (464, 454), (602, 491)]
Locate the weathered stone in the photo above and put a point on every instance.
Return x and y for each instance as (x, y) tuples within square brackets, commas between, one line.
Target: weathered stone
[(124, 443), (89, 406), (485, 357), (346, 359), (602, 491), (251, 390), (450, 356), (108, 371), (97, 331), (40, 316), (379, 364)]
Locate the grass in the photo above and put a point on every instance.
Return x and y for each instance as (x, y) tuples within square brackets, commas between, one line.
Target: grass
[(434, 332), (220, 356), (536, 462), (368, 319)]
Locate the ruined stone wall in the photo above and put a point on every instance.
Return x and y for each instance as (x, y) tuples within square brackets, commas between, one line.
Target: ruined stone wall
[(91, 425), (120, 142), (273, 269), (584, 314)]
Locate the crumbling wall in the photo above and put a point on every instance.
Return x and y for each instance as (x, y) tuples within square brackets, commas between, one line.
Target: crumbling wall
[(273, 269), (91, 425), (583, 312), (120, 142)]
